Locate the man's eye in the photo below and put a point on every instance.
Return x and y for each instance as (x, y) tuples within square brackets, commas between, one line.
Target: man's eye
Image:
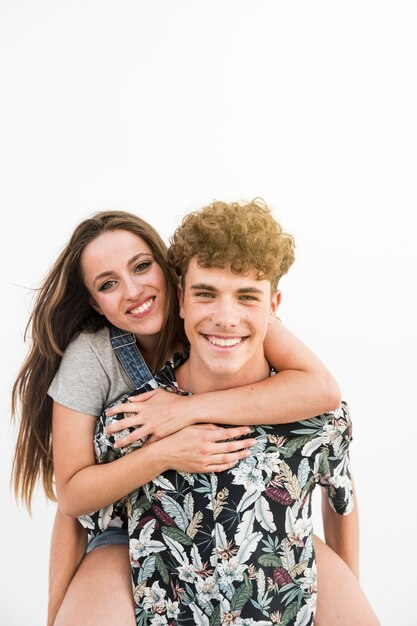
[(248, 298), (204, 294), (107, 285), (142, 266)]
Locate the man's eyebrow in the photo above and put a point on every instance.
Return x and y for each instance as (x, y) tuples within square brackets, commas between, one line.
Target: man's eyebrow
[(249, 290), (203, 286), (206, 287), (130, 261)]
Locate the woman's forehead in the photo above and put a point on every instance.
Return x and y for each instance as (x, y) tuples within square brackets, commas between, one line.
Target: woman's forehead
[(112, 249)]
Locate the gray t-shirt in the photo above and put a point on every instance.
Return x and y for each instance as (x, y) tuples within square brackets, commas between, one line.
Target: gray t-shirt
[(90, 376)]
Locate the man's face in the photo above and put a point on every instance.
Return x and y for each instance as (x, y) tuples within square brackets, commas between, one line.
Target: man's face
[(226, 317)]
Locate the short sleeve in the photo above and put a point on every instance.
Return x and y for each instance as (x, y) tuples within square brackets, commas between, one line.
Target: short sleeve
[(81, 382), (334, 461)]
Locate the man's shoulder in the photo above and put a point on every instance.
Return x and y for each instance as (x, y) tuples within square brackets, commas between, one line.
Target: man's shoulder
[(166, 377)]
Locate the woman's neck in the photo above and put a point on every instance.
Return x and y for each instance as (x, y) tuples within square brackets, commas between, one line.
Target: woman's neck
[(148, 345)]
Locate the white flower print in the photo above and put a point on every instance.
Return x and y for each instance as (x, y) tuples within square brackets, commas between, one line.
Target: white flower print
[(297, 528), (251, 622), (339, 477), (249, 476), (233, 619), (339, 413), (190, 478), (229, 571), (172, 609), (329, 434), (207, 589), (144, 545), (269, 462), (153, 600), (159, 620), (260, 445), (186, 572), (302, 528), (86, 521), (309, 579), (306, 612)]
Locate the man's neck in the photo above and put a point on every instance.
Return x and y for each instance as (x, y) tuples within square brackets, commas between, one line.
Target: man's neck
[(193, 377)]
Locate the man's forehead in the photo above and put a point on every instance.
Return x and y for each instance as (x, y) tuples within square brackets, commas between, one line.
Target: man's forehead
[(198, 277)]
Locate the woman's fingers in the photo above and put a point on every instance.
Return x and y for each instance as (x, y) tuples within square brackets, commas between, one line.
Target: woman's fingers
[(207, 448), (218, 462), (223, 462), (223, 452), (124, 407), (229, 447), (219, 468), (229, 457), (218, 433), (134, 403), (232, 446), (130, 421)]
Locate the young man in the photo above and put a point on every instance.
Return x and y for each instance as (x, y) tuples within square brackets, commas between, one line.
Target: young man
[(237, 547)]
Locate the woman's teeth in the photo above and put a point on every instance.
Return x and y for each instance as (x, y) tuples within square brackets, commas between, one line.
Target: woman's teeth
[(143, 307)]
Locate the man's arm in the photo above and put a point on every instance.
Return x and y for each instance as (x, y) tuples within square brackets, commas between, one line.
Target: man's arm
[(341, 532), (68, 544)]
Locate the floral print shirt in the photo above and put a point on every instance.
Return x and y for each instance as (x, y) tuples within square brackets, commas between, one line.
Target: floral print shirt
[(236, 547)]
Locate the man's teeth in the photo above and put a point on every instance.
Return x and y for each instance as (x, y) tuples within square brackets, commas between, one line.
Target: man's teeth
[(142, 308), (226, 343)]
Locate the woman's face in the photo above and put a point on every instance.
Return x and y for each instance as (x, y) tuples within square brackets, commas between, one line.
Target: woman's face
[(126, 284)]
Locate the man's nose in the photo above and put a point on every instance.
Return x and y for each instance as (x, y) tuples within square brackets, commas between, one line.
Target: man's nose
[(225, 314)]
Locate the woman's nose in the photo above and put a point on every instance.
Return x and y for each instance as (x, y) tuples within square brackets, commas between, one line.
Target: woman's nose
[(132, 289)]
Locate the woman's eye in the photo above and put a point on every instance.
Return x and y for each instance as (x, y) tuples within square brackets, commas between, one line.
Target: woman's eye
[(107, 285), (142, 266)]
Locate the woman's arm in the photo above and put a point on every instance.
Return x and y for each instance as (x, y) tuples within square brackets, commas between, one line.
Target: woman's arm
[(83, 487), (68, 544), (302, 388)]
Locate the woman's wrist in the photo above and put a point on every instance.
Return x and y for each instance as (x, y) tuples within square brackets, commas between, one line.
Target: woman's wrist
[(157, 458), (191, 412)]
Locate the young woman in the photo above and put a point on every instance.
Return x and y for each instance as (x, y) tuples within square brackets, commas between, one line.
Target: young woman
[(114, 272)]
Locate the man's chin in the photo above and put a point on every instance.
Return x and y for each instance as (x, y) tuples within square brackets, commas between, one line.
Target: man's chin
[(219, 371)]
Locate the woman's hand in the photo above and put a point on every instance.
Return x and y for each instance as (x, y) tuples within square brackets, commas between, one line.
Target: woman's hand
[(158, 413), (202, 448)]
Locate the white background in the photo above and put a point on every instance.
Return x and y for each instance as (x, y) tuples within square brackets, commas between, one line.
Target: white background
[(160, 107)]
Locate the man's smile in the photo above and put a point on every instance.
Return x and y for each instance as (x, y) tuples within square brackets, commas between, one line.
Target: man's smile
[(224, 342)]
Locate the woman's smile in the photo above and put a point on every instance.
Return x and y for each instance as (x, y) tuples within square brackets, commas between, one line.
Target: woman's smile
[(140, 310)]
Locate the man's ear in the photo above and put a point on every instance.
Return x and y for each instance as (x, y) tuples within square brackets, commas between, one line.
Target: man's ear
[(180, 292), (275, 302), (96, 307)]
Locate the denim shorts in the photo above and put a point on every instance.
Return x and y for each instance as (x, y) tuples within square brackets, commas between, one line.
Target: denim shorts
[(112, 536)]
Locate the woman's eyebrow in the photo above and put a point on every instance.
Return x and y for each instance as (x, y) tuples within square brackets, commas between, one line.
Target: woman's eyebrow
[(137, 256)]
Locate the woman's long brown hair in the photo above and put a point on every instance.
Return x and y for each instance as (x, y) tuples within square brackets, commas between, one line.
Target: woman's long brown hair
[(61, 311)]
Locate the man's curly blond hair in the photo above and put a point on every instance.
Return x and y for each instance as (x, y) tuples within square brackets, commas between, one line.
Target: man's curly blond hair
[(242, 236)]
